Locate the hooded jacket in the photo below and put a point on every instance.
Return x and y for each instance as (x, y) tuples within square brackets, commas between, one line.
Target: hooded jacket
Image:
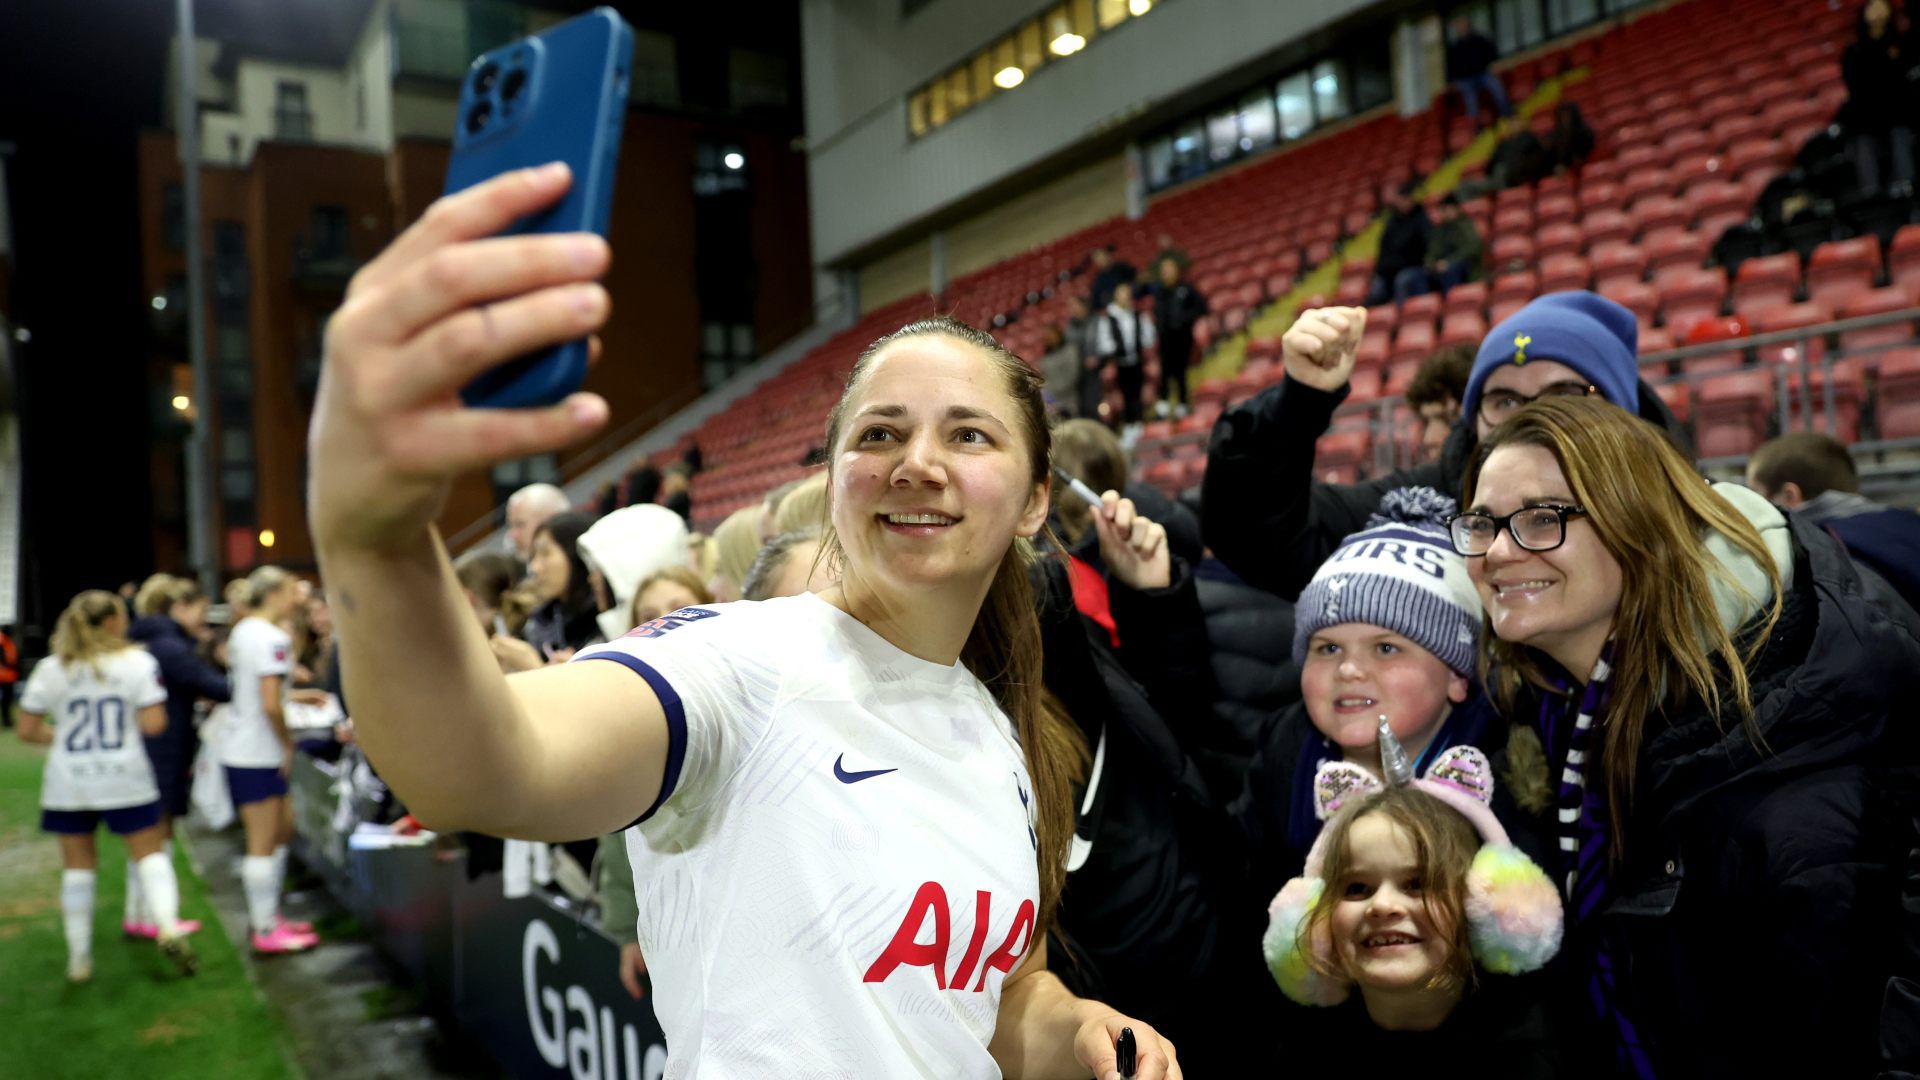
[(626, 547)]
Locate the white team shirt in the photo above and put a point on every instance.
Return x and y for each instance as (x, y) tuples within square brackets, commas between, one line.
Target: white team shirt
[(841, 872), (255, 649), (99, 759)]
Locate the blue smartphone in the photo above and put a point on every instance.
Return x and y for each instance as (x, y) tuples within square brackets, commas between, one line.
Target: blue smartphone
[(557, 96)]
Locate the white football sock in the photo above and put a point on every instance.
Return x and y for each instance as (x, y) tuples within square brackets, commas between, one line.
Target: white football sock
[(76, 914), (263, 892), (162, 890), (136, 911)]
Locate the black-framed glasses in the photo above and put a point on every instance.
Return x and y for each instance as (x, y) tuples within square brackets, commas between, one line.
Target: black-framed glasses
[(1497, 405), (1535, 528)]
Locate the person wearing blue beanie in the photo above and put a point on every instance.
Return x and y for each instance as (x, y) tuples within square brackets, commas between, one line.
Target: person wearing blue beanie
[(1576, 342), (1273, 519)]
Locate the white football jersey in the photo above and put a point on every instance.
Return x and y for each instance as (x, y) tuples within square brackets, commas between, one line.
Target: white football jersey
[(99, 758), (255, 649), (840, 872)]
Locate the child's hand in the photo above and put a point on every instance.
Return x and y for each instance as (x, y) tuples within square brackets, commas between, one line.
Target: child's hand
[(1134, 548)]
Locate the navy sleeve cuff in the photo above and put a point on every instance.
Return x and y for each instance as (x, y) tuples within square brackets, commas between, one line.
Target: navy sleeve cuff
[(676, 724)]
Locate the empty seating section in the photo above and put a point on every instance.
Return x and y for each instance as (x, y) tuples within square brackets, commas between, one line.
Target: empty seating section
[(1684, 147)]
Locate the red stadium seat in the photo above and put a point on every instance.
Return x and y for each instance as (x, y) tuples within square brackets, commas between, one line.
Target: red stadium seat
[(1555, 210), (1791, 317), (1672, 248), (1767, 281), (1340, 455), (1637, 297), (1466, 296), (1616, 263), (1842, 269), (1877, 302), (1516, 218), (1607, 225), (1766, 156), (1903, 260), (1676, 395), (1730, 412), (1425, 306), (1512, 251), (1463, 328), (1646, 181), (1848, 389), (1898, 415), (1651, 213), (1689, 296), (1561, 238), (1521, 286), (1714, 205), (1599, 195), (1414, 340), (1559, 273)]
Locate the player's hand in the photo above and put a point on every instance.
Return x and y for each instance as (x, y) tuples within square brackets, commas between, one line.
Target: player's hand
[(1095, 1045), (1320, 348), (442, 304), (1134, 548), (632, 967)]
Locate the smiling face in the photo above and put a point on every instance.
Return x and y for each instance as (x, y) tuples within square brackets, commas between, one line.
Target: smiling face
[(1355, 672), (932, 476), (1562, 601), (1383, 931)]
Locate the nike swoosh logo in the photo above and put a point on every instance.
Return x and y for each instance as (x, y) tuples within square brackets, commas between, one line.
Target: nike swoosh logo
[(1080, 849), (841, 774)]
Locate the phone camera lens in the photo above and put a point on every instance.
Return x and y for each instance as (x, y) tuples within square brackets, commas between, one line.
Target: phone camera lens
[(511, 86), (484, 79), (477, 119)]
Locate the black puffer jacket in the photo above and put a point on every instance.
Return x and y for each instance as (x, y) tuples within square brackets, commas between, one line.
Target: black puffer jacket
[(1757, 915), (1250, 633), (1139, 922), (1265, 516)]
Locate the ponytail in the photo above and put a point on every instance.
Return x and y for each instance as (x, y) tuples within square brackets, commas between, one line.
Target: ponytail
[(82, 635)]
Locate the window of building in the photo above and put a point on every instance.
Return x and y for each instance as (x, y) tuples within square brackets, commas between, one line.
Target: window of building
[(327, 236), (1294, 101), (1329, 91), (1223, 135), (1257, 121), (292, 121)]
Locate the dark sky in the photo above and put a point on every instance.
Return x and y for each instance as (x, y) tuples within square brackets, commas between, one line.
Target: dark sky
[(79, 79)]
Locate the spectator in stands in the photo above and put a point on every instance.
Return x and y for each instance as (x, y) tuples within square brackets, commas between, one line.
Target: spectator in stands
[(1178, 308), (485, 577), (676, 493), (1434, 395), (643, 484), (1079, 333), (624, 549), (735, 542), (1812, 476), (527, 510), (1263, 514), (1122, 335), (1453, 255), (567, 616), (939, 466), (805, 507), (1401, 264), (1088, 451), (1570, 143), (1711, 711), (1520, 158), (788, 565), (1879, 114), (1060, 368), (665, 591), (1470, 57), (1170, 249), (1108, 272), (1146, 873)]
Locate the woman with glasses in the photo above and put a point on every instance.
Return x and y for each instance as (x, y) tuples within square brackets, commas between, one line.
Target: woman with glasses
[(1712, 718), (1267, 518)]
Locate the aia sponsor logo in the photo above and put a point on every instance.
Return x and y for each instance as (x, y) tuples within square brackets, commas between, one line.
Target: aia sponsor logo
[(929, 909)]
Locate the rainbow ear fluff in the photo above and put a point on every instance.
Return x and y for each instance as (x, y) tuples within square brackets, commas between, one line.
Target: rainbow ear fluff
[(1513, 911)]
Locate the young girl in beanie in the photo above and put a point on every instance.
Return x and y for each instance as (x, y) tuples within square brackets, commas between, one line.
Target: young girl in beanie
[(1411, 894)]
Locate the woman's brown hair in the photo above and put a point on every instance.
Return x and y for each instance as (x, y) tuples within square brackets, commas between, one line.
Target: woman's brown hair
[(1003, 651), (683, 576), (1652, 512)]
